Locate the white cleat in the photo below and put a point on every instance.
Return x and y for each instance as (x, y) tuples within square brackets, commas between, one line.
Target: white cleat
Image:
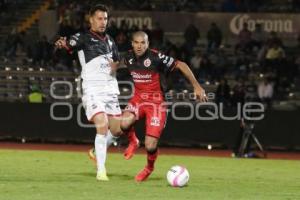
[(102, 176)]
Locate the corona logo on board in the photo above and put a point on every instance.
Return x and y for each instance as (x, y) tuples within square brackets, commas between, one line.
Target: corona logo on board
[(278, 25)]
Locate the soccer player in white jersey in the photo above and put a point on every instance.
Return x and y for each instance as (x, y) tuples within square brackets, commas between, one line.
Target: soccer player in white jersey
[(98, 54)]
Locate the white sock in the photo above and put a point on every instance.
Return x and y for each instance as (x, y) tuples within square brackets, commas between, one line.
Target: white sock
[(100, 150), (110, 139)]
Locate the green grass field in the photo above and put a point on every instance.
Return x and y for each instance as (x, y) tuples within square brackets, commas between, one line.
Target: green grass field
[(51, 175)]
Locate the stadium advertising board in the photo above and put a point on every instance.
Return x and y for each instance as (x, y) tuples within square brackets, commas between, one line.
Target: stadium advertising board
[(286, 25)]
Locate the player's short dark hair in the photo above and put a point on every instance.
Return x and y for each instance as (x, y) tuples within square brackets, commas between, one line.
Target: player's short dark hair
[(98, 7)]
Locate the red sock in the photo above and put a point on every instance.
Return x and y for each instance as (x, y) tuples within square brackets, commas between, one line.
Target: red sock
[(131, 135), (151, 158)]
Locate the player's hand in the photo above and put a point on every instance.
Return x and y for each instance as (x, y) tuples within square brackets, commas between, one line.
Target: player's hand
[(200, 94), (61, 43), (113, 65)]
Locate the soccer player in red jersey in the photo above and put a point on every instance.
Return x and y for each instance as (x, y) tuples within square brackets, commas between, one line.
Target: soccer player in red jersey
[(146, 67)]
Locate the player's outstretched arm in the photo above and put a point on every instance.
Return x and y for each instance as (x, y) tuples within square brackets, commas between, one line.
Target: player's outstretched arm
[(198, 90)]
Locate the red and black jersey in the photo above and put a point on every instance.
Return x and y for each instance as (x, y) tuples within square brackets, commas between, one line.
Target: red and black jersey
[(147, 71)]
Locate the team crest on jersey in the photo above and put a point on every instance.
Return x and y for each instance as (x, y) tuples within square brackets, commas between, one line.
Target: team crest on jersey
[(147, 62)]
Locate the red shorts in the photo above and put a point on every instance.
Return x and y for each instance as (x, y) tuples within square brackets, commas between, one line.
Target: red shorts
[(155, 113)]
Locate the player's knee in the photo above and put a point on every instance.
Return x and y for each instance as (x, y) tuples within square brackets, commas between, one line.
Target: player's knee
[(125, 125), (151, 147), (151, 150), (128, 119), (101, 123), (101, 127)]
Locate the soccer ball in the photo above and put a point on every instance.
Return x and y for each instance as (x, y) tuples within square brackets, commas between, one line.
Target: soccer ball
[(178, 176)]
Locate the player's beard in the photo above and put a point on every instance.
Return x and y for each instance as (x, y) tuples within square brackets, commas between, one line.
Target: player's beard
[(101, 30)]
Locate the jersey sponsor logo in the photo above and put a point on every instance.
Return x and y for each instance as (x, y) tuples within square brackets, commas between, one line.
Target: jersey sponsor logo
[(155, 121), (166, 60), (94, 106), (141, 76), (161, 56), (102, 64), (147, 62), (170, 62), (73, 42), (94, 40), (142, 81)]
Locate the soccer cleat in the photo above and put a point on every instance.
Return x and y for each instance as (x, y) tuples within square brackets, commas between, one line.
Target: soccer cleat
[(143, 175), (132, 147), (92, 155), (101, 176)]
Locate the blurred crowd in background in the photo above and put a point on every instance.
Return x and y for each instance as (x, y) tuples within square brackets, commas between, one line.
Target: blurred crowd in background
[(260, 64), (194, 5)]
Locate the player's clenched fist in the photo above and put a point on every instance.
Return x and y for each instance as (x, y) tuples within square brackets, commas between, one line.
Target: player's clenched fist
[(61, 42)]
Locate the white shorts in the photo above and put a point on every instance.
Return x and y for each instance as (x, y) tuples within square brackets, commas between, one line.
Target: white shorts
[(101, 103)]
